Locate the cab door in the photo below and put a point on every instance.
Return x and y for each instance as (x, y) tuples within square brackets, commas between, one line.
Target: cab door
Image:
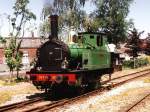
[(103, 51), (100, 57)]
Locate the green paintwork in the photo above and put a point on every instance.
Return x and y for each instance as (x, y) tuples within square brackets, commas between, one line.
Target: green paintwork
[(76, 50), (95, 55)]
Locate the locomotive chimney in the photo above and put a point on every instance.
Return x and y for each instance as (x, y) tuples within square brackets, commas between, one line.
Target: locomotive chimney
[(54, 26)]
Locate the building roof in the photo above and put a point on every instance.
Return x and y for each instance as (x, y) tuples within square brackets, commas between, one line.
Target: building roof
[(29, 42)]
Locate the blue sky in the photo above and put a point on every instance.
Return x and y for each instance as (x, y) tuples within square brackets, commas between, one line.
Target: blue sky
[(139, 12), (6, 7)]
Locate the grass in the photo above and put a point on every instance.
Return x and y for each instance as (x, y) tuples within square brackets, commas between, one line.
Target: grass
[(14, 81), (6, 94), (2, 83), (147, 80), (12, 88), (7, 83)]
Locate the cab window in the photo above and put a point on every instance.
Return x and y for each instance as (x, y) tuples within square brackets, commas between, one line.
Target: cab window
[(91, 36), (75, 38), (99, 40)]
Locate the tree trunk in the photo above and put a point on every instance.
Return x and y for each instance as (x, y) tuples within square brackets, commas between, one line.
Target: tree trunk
[(17, 74), (11, 75), (134, 62)]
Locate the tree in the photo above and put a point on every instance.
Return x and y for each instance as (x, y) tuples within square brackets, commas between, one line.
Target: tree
[(112, 18), (134, 40), (44, 28), (133, 43), (19, 19), (70, 13), (91, 24)]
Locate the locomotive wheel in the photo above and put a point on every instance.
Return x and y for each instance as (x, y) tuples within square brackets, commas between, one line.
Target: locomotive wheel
[(46, 90), (57, 94), (80, 90), (97, 85), (93, 85)]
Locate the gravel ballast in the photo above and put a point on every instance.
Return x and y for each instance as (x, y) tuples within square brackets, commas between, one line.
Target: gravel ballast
[(116, 100)]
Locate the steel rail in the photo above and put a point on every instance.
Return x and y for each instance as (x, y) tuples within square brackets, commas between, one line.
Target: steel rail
[(20, 104), (138, 102), (47, 106), (125, 75), (130, 79)]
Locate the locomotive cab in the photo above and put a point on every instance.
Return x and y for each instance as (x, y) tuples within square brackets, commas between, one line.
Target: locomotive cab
[(90, 51), (96, 55)]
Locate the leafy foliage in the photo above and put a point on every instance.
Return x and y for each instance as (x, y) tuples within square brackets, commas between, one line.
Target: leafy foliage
[(13, 55), (45, 28), (133, 41), (22, 14), (109, 16), (139, 62), (2, 40), (134, 37), (112, 17), (91, 24)]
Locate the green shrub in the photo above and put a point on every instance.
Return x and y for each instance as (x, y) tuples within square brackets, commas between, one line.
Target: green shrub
[(139, 62), (20, 79)]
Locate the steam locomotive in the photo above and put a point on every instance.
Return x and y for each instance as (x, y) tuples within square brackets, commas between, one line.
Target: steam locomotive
[(79, 64)]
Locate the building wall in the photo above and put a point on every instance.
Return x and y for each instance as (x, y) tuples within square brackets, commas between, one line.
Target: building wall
[(1, 56), (29, 46), (31, 55), (31, 52)]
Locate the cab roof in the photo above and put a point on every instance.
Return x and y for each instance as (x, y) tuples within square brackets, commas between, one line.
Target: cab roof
[(98, 33)]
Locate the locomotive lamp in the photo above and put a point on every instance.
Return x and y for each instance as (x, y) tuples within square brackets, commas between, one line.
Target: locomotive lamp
[(64, 64), (39, 68), (59, 79)]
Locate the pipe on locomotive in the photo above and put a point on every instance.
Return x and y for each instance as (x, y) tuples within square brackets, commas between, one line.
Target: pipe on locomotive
[(54, 26)]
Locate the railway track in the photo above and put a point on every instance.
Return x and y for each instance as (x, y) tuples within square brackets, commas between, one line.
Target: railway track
[(20, 104), (31, 105), (100, 91), (128, 75), (137, 103), (121, 80)]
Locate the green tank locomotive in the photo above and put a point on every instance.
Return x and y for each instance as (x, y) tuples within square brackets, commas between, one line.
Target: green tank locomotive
[(79, 64)]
